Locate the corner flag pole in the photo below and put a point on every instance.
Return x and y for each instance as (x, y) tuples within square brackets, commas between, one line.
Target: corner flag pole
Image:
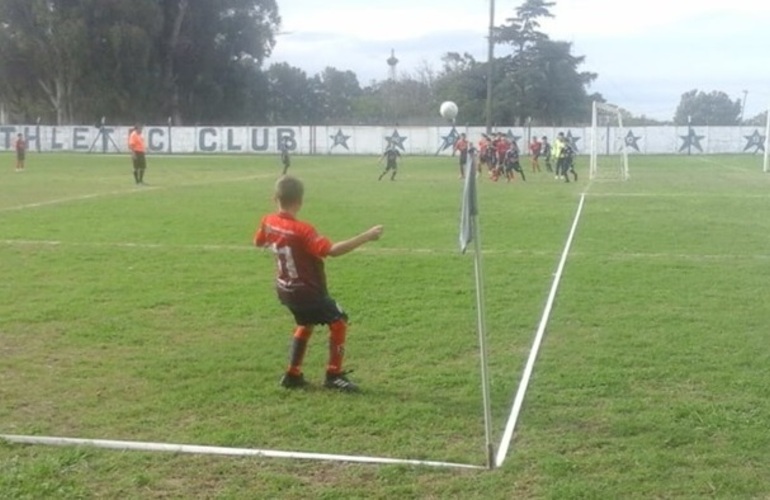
[(469, 231)]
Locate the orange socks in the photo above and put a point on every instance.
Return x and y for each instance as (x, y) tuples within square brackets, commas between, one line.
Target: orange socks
[(337, 333)]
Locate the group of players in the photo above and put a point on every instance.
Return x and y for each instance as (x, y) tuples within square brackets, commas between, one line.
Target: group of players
[(501, 156)]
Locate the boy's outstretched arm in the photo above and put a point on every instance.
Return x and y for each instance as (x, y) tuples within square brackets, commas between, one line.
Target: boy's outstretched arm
[(343, 247)]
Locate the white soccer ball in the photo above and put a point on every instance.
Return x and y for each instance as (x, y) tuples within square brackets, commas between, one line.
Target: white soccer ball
[(448, 110)]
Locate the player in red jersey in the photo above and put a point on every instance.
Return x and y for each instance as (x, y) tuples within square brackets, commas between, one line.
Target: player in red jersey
[(535, 148), (461, 145), (484, 144), (21, 151), (501, 147), (301, 281)]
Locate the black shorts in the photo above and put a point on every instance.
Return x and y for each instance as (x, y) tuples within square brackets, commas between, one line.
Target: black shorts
[(322, 312), (285, 160), (140, 162), (391, 166), (20, 155)]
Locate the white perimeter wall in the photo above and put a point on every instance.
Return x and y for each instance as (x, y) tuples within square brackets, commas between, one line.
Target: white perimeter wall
[(350, 140)]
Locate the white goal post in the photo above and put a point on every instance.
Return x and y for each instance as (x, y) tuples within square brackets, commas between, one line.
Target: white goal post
[(609, 158)]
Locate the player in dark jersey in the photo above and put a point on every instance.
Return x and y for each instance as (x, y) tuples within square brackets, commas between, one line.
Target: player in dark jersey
[(391, 157), (301, 281), (285, 158), (566, 160), (512, 164), (21, 152), (545, 151)]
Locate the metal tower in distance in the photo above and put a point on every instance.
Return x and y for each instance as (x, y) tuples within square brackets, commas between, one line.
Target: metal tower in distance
[(392, 63)]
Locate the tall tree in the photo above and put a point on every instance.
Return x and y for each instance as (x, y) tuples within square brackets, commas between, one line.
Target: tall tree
[(293, 96), (216, 43), (714, 108), (195, 60), (462, 80), (338, 91), (542, 81), (43, 46)]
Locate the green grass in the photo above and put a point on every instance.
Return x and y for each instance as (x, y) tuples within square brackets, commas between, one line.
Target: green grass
[(145, 314)]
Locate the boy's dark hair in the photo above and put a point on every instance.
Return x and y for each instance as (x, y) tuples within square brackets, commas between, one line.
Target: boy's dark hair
[(289, 190)]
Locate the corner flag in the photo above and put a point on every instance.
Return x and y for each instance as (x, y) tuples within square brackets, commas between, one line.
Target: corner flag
[(470, 207), (469, 232)]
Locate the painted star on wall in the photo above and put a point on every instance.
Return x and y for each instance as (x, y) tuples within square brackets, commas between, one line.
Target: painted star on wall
[(691, 140), (572, 140), (340, 139), (632, 141), (756, 141), (395, 140), (447, 141)]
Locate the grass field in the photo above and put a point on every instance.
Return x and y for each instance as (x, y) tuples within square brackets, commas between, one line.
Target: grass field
[(144, 314)]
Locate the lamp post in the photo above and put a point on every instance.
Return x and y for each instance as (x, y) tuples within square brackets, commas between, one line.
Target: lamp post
[(743, 105), (490, 63)]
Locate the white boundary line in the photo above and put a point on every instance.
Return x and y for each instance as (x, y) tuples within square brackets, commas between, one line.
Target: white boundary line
[(219, 450), (134, 190), (505, 441), (247, 247), (678, 195), (76, 198)]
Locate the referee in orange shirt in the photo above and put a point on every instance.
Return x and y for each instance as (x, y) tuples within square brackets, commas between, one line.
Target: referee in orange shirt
[(137, 148)]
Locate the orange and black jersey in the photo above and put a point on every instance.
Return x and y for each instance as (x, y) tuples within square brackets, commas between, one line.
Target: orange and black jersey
[(136, 142), (299, 252)]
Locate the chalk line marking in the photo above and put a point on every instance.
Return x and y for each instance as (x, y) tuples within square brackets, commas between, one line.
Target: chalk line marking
[(505, 441), (135, 190), (247, 247), (220, 450)]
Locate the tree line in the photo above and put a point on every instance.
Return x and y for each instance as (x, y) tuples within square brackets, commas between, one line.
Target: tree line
[(203, 62)]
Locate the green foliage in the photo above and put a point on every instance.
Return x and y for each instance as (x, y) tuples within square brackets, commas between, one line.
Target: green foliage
[(541, 79), (464, 81), (74, 61), (759, 120), (714, 108)]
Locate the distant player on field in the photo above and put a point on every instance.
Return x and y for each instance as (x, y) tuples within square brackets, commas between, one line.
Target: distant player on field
[(285, 158), (21, 152), (534, 150), (137, 148), (511, 162), (545, 151), (461, 145), (565, 157), (502, 145), (484, 145), (391, 157), (301, 281)]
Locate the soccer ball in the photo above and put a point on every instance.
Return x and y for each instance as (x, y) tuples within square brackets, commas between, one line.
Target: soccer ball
[(448, 110)]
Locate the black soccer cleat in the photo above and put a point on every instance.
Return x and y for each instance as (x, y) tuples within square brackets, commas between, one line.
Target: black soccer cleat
[(290, 381), (340, 382)]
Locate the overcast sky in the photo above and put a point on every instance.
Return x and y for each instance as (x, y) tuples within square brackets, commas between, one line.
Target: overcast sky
[(647, 53)]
